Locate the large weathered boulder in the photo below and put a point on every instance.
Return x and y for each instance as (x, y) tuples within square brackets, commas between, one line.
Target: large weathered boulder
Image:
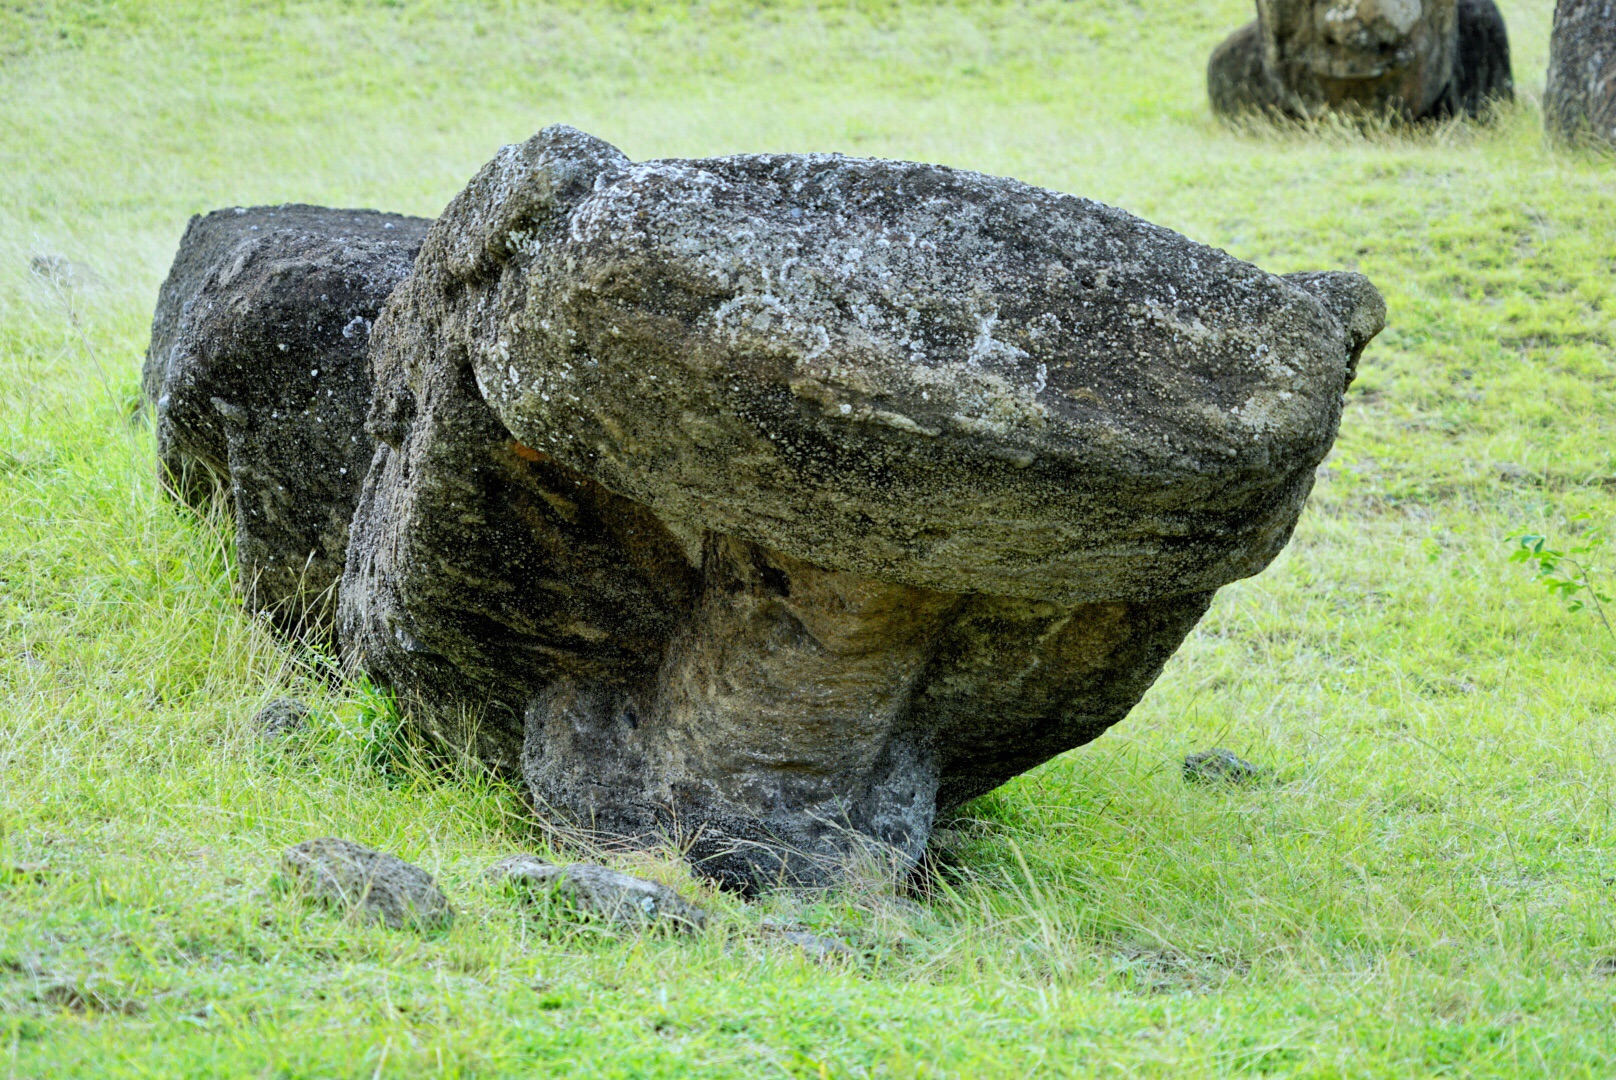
[(258, 373), (1579, 99), (1407, 59), (776, 501)]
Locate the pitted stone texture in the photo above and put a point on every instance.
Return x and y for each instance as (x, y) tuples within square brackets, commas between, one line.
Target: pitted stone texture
[(774, 502), (1579, 99), (257, 370), (1410, 59), (366, 883)]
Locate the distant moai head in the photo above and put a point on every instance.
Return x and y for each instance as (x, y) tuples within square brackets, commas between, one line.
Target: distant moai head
[(1373, 55)]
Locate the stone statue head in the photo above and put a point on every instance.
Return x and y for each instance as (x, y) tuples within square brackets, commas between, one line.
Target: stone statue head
[(1372, 55)]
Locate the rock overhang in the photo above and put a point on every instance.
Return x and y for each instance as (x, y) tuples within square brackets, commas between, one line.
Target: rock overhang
[(904, 370)]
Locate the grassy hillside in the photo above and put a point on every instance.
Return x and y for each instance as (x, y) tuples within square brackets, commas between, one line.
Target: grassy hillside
[(1428, 889)]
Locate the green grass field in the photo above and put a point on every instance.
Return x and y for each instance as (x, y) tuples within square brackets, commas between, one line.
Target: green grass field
[(1428, 889)]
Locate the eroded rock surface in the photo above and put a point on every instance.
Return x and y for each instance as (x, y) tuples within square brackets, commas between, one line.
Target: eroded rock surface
[(1411, 59), (773, 502), (1579, 99), (257, 369)]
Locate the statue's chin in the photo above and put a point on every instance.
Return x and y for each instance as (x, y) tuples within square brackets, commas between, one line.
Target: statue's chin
[(1364, 67), (1373, 88)]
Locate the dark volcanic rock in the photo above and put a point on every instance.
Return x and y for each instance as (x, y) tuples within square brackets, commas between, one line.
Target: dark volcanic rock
[(367, 883), (1579, 100), (1220, 766), (257, 370), (600, 892), (775, 501), (1411, 59)]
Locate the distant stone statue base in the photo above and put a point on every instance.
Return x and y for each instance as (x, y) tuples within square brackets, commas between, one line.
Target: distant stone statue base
[(1398, 59)]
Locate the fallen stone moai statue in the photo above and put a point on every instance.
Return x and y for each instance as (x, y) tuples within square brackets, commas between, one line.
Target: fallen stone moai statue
[(778, 502), (1579, 99), (1405, 59)]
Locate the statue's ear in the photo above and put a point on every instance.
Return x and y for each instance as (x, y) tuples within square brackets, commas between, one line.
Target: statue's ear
[(522, 189)]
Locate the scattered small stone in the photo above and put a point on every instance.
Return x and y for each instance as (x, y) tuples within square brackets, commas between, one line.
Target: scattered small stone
[(609, 895), (368, 883), (281, 717), (88, 998), (25, 873), (814, 946), (61, 272), (1220, 766), (1511, 473)]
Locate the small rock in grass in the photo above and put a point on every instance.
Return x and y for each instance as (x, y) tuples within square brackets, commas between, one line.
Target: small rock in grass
[(1220, 766), (61, 272), (614, 897), (88, 997), (1511, 473), (281, 717), (813, 946), (24, 873), (368, 883)]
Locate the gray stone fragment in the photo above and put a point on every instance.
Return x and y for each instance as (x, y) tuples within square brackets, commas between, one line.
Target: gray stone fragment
[(1220, 766), (814, 946), (257, 372), (1407, 59), (1579, 98), (281, 717), (61, 272), (366, 883), (614, 897)]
